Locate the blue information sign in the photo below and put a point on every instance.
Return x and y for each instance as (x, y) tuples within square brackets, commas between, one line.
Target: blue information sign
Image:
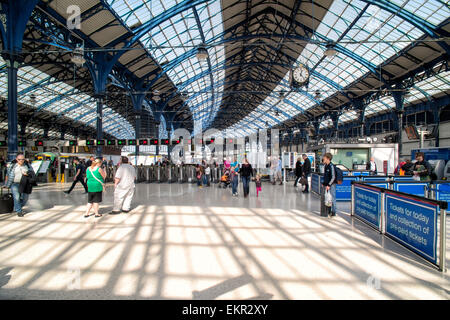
[(315, 183), (417, 189), (368, 205), (344, 190), (443, 192), (413, 223), (384, 185)]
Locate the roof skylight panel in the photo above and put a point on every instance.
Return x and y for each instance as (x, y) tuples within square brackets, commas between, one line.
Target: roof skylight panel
[(432, 11)]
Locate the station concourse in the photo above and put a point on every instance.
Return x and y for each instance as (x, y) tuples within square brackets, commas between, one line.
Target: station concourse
[(200, 98)]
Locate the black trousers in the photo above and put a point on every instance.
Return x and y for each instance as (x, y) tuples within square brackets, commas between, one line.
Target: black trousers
[(78, 179), (296, 180), (307, 184)]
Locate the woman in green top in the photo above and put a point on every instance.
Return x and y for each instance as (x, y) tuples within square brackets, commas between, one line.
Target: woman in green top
[(95, 178)]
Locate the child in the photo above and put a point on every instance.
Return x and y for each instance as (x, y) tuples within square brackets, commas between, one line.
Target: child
[(258, 184)]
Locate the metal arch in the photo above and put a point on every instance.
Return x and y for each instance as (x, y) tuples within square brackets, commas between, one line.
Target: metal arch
[(200, 29)]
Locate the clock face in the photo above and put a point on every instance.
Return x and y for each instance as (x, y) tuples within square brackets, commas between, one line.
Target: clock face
[(301, 74)]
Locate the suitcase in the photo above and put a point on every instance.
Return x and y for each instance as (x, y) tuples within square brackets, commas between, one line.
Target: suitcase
[(324, 210), (6, 202)]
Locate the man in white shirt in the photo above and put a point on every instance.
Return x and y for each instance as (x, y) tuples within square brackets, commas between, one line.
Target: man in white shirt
[(124, 187), (372, 167)]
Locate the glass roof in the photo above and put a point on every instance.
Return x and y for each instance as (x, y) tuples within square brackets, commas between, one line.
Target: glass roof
[(61, 98), (176, 36), (380, 35)]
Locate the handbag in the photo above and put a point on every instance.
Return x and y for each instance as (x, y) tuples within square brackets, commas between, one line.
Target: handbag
[(103, 185), (303, 181)]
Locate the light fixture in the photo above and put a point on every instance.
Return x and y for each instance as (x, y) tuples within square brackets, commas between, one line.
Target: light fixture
[(78, 56), (330, 50), (318, 94), (202, 53), (33, 99)]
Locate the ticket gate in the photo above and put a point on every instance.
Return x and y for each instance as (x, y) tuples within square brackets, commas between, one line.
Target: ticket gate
[(173, 174), (183, 178)]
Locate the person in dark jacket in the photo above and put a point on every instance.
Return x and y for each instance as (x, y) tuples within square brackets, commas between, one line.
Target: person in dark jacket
[(298, 170), (329, 179), (422, 168), (408, 167), (20, 188), (306, 171), (79, 176), (246, 171)]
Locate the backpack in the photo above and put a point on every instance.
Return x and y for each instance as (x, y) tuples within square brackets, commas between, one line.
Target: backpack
[(339, 175)]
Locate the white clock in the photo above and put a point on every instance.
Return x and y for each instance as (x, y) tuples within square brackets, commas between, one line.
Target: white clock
[(301, 74)]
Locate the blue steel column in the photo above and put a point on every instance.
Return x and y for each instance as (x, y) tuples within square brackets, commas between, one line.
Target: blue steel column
[(16, 14), (12, 66), (399, 96), (99, 124)]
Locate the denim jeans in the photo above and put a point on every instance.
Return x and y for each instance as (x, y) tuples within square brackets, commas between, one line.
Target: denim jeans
[(20, 199), (245, 183), (234, 184), (333, 194), (205, 178)]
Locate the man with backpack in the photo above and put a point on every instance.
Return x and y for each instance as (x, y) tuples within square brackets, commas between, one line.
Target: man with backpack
[(332, 176)]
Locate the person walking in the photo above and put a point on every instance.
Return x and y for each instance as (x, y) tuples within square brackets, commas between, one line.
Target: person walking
[(306, 171), (234, 177), (20, 178), (329, 180), (258, 184), (95, 177), (79, 176), (246, 171), (298, 170), (124, 186)]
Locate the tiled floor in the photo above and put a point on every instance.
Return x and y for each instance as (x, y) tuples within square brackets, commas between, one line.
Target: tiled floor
[(183, 242)]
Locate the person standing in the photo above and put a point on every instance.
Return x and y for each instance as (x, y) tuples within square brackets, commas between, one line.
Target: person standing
[(306, 171), (17, 179), (422, 169), (198, 172), (279, 174), (234, 177), (89, 161), (95, 177), (273, 169), (124, 187), (298, 170), (372, 167), (79, 176), (329, 180), (246, 171), (208, 175)]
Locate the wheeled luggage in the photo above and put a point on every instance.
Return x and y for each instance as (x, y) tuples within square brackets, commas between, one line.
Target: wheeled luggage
[(6, 202)]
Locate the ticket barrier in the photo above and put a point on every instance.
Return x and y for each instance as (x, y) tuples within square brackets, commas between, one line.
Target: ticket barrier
[(183, 176), (162, 174), (173, 174)]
